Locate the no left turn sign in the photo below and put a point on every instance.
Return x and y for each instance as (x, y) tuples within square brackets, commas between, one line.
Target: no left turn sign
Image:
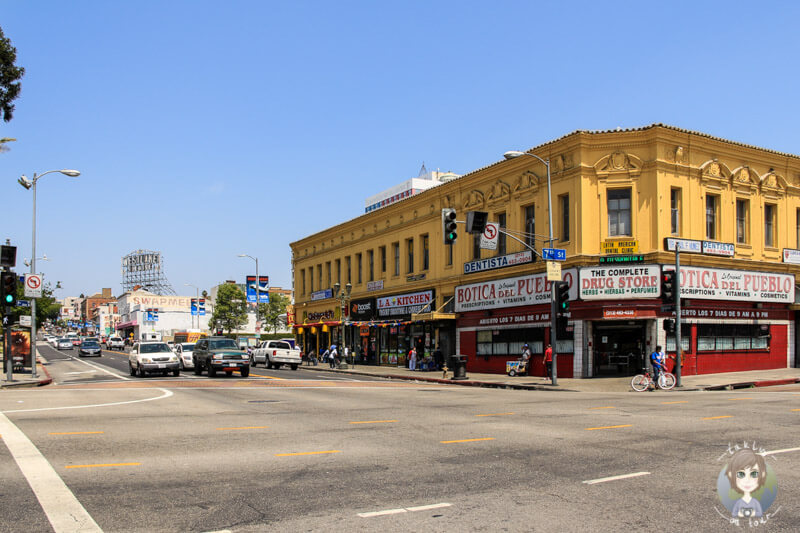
[(33, 285)]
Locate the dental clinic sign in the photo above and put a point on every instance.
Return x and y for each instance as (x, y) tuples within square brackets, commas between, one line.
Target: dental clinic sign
[(742, 285), (511, 292)]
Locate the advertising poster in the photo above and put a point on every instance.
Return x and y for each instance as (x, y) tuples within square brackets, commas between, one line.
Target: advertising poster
[(21, 348), (263, 289)]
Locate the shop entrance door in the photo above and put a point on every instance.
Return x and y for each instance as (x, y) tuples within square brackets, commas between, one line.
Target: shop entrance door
[(618, 348)]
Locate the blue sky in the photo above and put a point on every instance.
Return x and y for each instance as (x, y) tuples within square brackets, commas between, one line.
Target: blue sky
[(208, 129)]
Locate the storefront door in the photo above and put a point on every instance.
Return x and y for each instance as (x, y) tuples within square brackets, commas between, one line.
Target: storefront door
[(618, 348)]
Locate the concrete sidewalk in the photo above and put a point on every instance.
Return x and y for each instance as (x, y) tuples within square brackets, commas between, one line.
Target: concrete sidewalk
[(729, 380), (24, 379)]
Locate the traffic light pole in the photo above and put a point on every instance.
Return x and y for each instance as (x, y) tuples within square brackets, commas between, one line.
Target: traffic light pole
[(678, 351)]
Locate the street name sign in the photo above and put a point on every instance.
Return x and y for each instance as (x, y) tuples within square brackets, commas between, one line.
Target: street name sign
[(554, 254)]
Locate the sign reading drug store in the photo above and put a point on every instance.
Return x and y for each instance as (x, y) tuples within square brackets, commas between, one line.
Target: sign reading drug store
[(602, 283), (510, 292)]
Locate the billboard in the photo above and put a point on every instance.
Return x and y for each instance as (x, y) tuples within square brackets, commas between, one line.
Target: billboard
[(263, 288)]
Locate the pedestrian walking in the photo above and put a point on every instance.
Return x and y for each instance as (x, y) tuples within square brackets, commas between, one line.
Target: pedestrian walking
[(332, 356), (548, 362), (346, 354), (412, 358), (438, 358)]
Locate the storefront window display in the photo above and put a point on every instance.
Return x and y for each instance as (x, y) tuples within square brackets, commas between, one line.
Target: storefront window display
[(686, 340), (508, 342), (731, 337)]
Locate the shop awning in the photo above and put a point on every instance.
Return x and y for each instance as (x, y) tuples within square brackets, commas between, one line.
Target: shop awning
[(435, 315), (124, 325)]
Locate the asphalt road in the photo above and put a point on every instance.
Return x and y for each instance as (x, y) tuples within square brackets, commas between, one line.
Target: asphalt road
[(309, 454)]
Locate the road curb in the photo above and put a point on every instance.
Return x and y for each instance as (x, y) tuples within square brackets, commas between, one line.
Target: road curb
[(750, 384)]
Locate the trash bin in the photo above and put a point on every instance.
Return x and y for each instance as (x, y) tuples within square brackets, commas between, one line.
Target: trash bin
[(458, 364)]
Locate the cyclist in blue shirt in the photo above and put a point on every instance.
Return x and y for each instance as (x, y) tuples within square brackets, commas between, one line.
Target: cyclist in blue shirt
[(657, 360)]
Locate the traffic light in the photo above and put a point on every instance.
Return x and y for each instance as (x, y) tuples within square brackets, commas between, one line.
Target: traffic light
[(449, 225), (562, 297), (476, 221), (9, 289), (669, 326), (668, 291)]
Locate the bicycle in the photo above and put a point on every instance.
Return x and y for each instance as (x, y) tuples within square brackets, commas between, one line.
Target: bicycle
[(642, 382)]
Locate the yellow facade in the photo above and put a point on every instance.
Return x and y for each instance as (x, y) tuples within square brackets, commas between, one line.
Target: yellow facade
[(651, 162)]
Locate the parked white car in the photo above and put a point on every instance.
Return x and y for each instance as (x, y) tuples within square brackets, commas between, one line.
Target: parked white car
[(115, 343), (273, 354), (149, 357), (184, 352)]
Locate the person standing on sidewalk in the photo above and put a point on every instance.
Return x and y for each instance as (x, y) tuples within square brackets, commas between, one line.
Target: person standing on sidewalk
[(548, 362), (346, 353), (412, 358)]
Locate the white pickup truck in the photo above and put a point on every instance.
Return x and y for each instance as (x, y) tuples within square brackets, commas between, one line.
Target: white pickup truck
[(273, 354)]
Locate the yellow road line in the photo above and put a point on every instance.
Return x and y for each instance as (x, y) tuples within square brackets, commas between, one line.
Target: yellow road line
[(610, 427), (498, 414), (374, 422), (104, 465), (77, 433), (795, 409), (306, 453), (261, 376), (669, 403), (736, 399), (244, 427), (717, 417), (609, 407), (464, 440)]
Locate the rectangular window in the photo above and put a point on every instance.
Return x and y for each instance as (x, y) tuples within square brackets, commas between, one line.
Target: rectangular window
[(396, 254), (311, 279), (769, 225), (741, 221), (383, 259), (530, 225), (410, 255), (712, 203), (370, 265), (329, 278), (339, 271), (564, 201), (425, 253), (732, 337), (476, 245), (675, 211), (319, 277), (501, 239), (303, 280), (797, 227), (619, 212), (358, 268), (347, 269)]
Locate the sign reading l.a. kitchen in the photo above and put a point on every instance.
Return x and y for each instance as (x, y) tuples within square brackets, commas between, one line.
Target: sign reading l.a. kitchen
[(743, 285), (511, 292), (405, 304)]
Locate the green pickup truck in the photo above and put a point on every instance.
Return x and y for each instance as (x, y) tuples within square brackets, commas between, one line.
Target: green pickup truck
[(220, 354)]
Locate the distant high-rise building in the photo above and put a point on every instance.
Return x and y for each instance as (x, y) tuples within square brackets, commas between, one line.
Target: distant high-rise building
[(424, 181)]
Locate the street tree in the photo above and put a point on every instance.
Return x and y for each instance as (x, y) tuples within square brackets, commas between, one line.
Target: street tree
[(10, 74), (271, 312), (230, 309), (47, 308)]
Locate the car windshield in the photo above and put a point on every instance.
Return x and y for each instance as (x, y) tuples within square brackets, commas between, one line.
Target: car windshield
[(187, 347), (154, 348), (222, 344), (91, 344)]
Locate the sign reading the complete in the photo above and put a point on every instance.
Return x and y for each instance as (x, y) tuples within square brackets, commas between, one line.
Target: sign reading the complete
[(600, 283)]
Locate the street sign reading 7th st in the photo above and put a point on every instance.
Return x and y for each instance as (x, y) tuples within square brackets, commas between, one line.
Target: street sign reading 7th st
[(554, 254)]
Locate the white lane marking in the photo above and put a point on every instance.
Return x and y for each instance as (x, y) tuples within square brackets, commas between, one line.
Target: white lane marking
[(74, 373), (99, 368), (615, 478), (773, 452), (167, 394), (63, 510), (404, 510)]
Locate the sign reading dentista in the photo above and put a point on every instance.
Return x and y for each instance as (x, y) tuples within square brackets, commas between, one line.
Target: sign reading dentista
[(511, 292), (601, 283), (743, 285)]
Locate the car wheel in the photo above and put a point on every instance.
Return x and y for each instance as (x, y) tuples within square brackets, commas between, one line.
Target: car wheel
[(142, 373), (211, 371), (294, 367), (252, 362), (131, 369), (245, 372), (277, 366), (198, 370), (176, 373)]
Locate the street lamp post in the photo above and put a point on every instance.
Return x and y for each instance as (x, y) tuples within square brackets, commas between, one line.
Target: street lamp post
[(511, 155), (258, 289), (197, 304), (28, 184), (343, 296)]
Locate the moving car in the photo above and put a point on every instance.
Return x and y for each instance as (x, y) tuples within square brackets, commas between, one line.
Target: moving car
[(64, 344), (76, 341), (184, 352), (219, 353), (115, 343), (276, 353), (149, 357), (89, 347)]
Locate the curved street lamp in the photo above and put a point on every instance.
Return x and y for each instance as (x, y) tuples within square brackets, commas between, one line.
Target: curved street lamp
[(513, 154), (29, 183)]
